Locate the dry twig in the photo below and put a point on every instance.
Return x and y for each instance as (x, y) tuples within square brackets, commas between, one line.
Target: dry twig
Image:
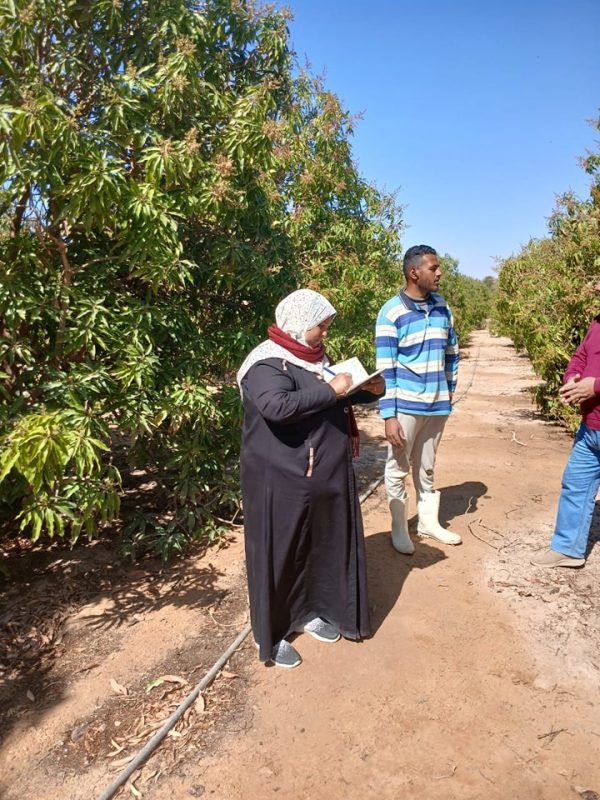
[(443, 777), (492, 530), (481, 539), (551, 735), (468, 506)]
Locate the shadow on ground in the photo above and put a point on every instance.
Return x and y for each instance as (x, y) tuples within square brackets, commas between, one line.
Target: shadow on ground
[(90, 583), (460, 499), (370, 464), (594, 537), (387, 571)]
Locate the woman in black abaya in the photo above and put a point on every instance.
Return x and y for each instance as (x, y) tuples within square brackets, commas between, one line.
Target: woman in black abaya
[(303, 528)]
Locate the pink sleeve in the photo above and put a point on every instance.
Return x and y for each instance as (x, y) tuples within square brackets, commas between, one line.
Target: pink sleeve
[(578, 361)]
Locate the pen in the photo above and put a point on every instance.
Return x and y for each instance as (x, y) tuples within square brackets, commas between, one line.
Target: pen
[(330, 371)]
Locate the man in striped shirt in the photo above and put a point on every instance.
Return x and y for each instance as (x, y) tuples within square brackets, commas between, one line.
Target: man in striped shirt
[(416, 344)]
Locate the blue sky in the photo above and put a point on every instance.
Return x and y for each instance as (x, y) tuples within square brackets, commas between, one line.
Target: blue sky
[(476, 111)]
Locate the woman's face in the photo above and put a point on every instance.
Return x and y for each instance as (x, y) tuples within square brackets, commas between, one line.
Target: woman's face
[(315, 336)]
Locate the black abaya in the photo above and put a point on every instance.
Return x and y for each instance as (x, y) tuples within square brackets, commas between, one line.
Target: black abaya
[(303, 527)]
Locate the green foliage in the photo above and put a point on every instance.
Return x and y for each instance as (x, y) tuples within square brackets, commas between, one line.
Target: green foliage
[(140, 251), (164, 182), (545, 293), (345, 233), (165, 179)]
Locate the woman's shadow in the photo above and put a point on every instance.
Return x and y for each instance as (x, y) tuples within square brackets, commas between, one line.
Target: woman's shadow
[(388, 569)]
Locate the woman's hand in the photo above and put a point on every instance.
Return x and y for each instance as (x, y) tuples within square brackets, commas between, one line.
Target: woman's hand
[(376, 385), (341, 383)]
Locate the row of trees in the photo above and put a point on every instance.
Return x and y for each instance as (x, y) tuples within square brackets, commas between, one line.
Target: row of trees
[(166, 176), (471, 299), (546, 296)]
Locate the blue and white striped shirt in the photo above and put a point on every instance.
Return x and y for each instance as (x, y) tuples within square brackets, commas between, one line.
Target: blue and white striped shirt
[(417, 346)]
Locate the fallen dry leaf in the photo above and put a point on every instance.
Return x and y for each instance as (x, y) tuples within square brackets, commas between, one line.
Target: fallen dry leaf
[(266, 772), (122, 762), (200, 704), (173, 679), (165, 679), (586, 794), (117, 688), (118, 749), (228, 675)]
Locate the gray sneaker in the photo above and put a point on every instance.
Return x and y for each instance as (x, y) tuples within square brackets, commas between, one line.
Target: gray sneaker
[(551, 558), (321, 630), (283, 655)]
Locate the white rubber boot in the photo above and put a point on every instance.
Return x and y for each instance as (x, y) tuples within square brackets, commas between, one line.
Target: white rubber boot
[(400, 538), (428, 509)]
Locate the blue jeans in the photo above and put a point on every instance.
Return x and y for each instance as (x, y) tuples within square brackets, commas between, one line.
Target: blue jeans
[(580, 484)]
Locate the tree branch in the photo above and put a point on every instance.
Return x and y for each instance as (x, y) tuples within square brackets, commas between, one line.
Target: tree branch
[(20, 210)]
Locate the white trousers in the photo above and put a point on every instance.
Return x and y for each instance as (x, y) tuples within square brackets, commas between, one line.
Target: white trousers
[(423, 435)]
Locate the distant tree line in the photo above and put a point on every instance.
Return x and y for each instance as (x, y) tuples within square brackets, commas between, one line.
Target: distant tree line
[(471, 299)]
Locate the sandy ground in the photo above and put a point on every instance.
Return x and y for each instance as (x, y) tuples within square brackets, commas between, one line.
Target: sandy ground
[(480, 681)]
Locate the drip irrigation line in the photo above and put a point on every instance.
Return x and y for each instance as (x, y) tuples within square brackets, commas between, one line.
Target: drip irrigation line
[(370, 489), (471, 379), (151, 745)]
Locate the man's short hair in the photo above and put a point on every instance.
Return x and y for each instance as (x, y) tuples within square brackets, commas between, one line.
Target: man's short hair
[(414, 254)]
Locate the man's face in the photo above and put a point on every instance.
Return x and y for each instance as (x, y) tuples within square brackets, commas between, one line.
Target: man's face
[(428, 274)]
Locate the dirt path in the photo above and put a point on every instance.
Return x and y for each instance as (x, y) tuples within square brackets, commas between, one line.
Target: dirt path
[(481, 679)]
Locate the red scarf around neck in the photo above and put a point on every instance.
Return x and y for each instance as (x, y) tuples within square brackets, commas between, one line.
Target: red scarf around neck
[(313, 355), (296, 348)]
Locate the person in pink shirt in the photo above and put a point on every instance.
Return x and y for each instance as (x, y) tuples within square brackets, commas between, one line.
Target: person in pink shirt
[(581, 479)]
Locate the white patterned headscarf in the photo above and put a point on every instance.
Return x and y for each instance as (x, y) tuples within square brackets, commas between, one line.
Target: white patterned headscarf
[(297, 313)]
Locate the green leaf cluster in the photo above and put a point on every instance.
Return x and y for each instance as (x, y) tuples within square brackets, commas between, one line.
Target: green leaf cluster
[(140, 251), (546, 297), (167, 175)]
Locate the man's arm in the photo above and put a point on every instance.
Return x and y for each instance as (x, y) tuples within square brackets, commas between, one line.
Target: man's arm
[(452, 355), (578, 360), (577, 389), (386, 352)]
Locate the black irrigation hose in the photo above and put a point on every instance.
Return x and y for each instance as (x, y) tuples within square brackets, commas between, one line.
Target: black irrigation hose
[(150, 746), (464, 393)]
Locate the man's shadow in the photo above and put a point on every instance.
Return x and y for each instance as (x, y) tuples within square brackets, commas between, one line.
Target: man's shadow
[(455, 501), (387, 571)]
